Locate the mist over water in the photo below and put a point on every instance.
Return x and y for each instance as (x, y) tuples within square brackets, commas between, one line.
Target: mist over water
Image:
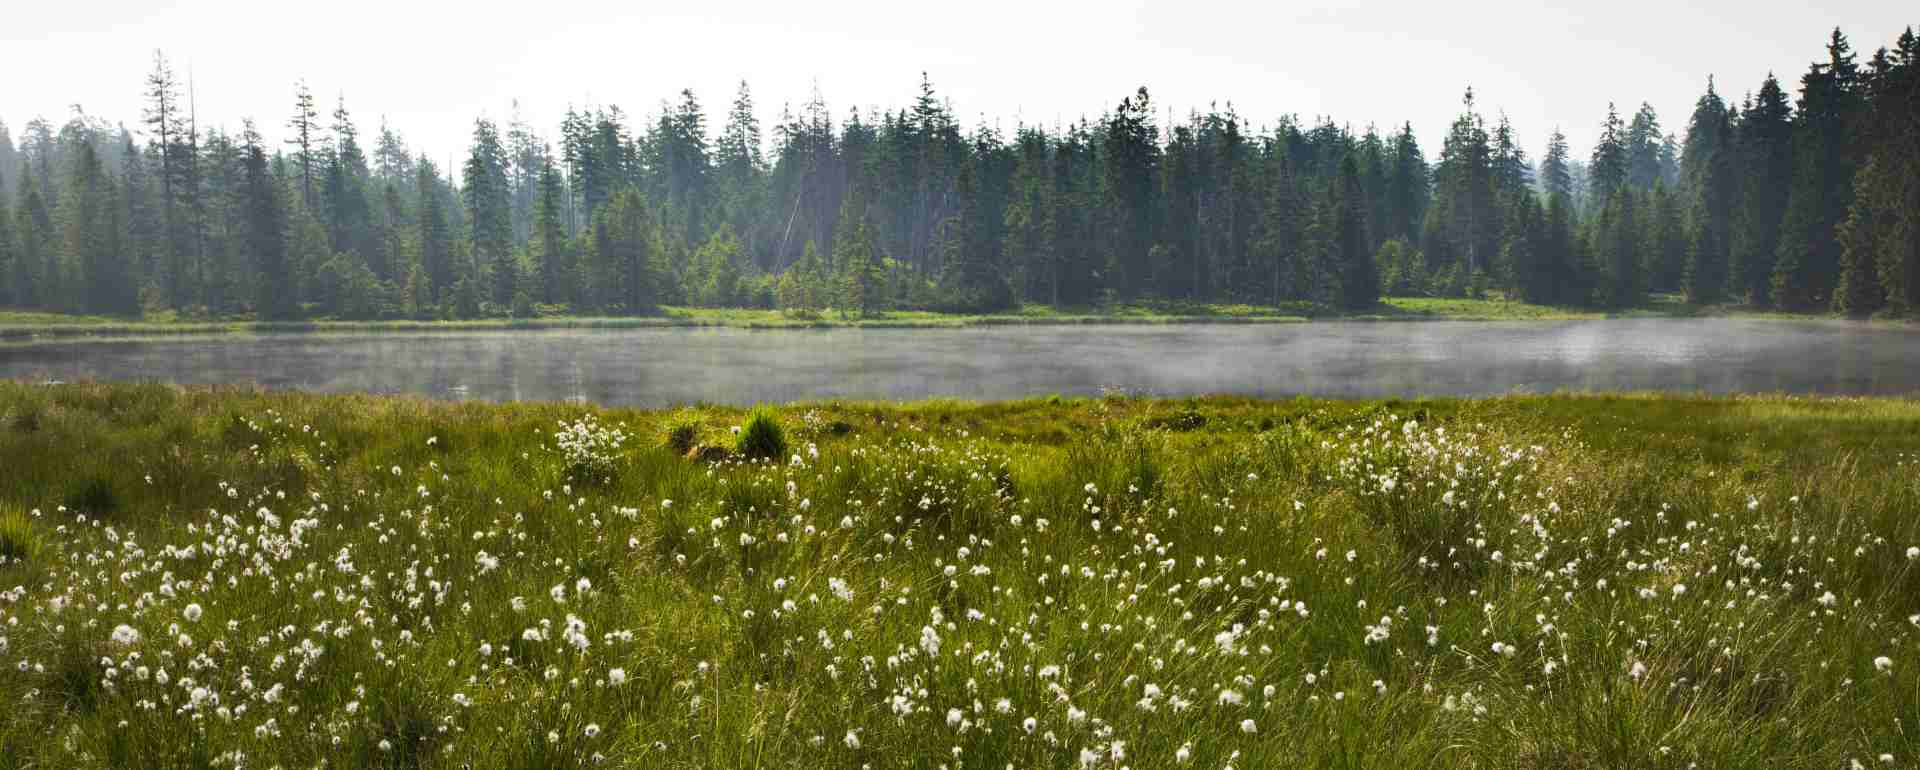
[(659, 367)]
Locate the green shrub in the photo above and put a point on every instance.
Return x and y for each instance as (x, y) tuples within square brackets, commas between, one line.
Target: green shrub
[(762, 437)]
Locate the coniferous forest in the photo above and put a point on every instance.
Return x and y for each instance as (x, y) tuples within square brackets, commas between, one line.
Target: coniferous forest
[(1798, 197)]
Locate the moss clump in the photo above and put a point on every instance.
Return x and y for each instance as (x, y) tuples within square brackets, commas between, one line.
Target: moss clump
[(762, 438)]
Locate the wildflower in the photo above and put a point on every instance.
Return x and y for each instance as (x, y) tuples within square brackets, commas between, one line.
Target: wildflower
[(125, 635), (1247, 726), (592, 731), (852, 740), (1883, 664), (616, 677), (1913, 552), (1828, 599), (1184, 754), (191, 613)]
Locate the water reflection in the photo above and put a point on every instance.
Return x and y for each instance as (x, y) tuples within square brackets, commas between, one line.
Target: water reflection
[(665, 366)]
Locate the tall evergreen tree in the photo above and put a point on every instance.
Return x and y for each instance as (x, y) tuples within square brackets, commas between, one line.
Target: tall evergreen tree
[(1608, 169), (264, 228), (550, 253), (1359, 277), (1765, 141), (305, 128), (1132, 160), (489, 214), (1807, 264), (1556, 178), (435, 239)]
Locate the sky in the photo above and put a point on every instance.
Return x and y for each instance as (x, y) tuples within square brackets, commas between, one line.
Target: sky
[(431, 68)]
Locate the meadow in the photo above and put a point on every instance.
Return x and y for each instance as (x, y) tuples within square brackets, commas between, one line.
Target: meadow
[(222, 577)]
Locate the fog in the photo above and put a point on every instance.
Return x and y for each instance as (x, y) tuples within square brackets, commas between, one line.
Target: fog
[(733, 366)]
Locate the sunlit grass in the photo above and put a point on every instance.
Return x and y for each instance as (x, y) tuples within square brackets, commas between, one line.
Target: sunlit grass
[(1545, 582)]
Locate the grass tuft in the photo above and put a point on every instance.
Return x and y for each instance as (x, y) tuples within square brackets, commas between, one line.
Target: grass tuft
[(761, 437)]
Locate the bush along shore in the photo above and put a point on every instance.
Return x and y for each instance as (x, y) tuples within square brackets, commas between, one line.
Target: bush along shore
[(235, 578)]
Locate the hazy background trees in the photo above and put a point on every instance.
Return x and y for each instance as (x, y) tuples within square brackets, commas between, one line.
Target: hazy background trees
[(1805, 201)]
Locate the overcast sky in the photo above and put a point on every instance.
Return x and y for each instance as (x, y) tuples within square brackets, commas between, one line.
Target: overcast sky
[(432, 68)]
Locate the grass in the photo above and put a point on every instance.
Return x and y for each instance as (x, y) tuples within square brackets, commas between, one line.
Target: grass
[(16, 324), (1523, 582)]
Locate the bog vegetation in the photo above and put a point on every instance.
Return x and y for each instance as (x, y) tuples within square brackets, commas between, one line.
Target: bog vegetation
[(222, 578), (1797, 198)]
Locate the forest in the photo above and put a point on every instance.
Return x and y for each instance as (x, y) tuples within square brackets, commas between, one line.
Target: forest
[(1804, 202)]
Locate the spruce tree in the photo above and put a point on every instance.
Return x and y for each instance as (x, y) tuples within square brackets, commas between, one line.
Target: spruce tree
[(550, 238), (1765, 146), (435, 240), (32, 286), (1359, 276), (1808, 257), (9, 255), (305, 128), (264, 225), (1281, 227), (1608, 169)]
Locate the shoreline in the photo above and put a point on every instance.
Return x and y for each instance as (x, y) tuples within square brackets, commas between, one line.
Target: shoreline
[(1398, 310)]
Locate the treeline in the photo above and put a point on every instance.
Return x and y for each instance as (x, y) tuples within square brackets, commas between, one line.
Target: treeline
[(1807, 205)]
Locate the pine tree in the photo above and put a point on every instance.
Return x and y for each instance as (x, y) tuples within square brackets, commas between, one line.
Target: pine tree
[(1665, 241), (550, 239), (1765, 142), (1644, 149), (1279, 244), (306, 129), (1465, 209), (435, 238), (489, 214), (1556, 178), (974, 283), (1888, 189), (9, 255), (1608, 169), (1359, 276), (143, 228), (1132, 163), (1408, 189), (1558, 257), (1807, 263), (264, 238), (32, 286), (1532, 274), (1617, 248), (1859, 292)]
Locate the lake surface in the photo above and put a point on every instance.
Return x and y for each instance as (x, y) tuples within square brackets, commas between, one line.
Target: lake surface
[(656, 367)]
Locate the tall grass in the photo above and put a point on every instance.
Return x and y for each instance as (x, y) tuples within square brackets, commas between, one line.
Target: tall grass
[(225, 577)]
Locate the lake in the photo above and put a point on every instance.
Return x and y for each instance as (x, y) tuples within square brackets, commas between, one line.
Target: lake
[(657, 367)]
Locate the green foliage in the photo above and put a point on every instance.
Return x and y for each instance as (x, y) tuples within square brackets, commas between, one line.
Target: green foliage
[(20, 543), (682, 431), (761, 437), (918, 212)]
